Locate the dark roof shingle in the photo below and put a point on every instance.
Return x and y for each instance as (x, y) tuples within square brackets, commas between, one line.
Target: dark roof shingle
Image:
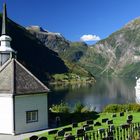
[(16, 79)]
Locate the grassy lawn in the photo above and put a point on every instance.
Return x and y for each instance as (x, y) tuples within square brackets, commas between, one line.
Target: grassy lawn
[(117, 121)]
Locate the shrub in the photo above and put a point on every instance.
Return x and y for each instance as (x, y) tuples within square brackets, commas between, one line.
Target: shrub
[(112, 108), (60, 108), (78, 107), (68, 118)]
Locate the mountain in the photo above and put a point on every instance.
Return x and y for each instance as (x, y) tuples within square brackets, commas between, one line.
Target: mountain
[(32, 53), (70, 52), (75, 52), (116, 55), (54, 41)]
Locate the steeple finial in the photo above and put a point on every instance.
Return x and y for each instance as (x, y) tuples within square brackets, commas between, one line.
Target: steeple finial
[(4, 19)]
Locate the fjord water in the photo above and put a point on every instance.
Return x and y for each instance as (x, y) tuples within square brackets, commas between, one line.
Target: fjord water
[(95, 95)]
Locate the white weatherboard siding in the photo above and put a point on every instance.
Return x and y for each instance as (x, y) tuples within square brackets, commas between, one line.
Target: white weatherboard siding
[(25, 103), (6, 114)]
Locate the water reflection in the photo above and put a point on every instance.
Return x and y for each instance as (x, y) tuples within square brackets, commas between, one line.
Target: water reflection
[(137, 91), (103, 92)]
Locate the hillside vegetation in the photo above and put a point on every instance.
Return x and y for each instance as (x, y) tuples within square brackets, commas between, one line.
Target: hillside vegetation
[(40, 60), (116, 55), (69, 52)]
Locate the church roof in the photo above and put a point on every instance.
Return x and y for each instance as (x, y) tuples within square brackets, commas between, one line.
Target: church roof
[(16, 79)]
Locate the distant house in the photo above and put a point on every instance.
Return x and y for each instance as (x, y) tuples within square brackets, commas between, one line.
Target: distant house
[(23, 98)]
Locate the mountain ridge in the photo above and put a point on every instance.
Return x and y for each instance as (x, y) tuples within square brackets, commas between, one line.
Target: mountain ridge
[(116, 55), (41, 61)]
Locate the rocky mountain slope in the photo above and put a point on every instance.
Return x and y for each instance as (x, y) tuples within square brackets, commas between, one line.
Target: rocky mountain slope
[(70, 52), (117, 55), (39, 59), (54, 41)]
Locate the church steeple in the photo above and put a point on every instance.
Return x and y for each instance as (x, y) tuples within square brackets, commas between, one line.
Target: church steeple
[(6, 52), (4, 19)]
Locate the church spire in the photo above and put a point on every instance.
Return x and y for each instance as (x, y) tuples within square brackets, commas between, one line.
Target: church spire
[(4, 19), (6, 52)]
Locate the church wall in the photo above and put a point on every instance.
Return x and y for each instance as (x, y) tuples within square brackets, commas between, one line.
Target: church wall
[(24, 103), (6, 114)]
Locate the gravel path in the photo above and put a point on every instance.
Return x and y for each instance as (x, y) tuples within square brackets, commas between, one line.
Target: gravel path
[(21, 136)]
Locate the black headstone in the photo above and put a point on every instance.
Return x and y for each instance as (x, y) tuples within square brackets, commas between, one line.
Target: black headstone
[(74, 125), (130, 117), (34, 137), (112, 127), (124, 126), (88, 128), (104, 120), (67, 129), (101, 130), (114, 115), (42, 138), (128, 121), (109, 121), (61, 133), (52, 132), (121, 114), (69, 137), (89, 122), (85, 125), (80, 132), (97, 124)]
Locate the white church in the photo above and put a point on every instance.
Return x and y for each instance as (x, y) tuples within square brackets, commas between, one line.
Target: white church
[(23, 97)]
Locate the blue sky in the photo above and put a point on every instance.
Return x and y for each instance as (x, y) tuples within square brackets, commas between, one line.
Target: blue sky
[(74, 18)]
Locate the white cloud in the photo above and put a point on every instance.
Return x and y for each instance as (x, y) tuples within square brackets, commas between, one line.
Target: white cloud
[(90, 37)]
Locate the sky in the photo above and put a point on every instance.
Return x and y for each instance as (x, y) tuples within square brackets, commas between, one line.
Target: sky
[(85, 20)]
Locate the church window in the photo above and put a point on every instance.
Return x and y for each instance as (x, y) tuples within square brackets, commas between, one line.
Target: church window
[(32, 116)]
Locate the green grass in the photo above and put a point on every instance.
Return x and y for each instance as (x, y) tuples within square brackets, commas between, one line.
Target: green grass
[(117, 121), (72, 78), (130, 70)]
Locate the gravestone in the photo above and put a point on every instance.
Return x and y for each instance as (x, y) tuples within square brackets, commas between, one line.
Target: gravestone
[(128, 121), (69, 137), (85, 125), (42, 138), (109, 121), (34, 137), (124, 126), (88, 122), (121, 114), (101, 130), (110, 134), (74, 125), (112, 127), (67, 129), (104, 120), (130, 117), (88, 128), (80, 132), (61, 133), (52, 132), (97, 124), (114, 115)]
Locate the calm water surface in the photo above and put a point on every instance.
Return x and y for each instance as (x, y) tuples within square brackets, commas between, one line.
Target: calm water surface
[(103, 92)]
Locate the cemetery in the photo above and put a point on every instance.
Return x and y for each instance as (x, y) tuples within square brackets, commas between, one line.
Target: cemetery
[(109, 126), (25, 98)]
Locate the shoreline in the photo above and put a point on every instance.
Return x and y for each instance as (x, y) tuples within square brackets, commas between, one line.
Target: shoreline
[(72, 82)]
